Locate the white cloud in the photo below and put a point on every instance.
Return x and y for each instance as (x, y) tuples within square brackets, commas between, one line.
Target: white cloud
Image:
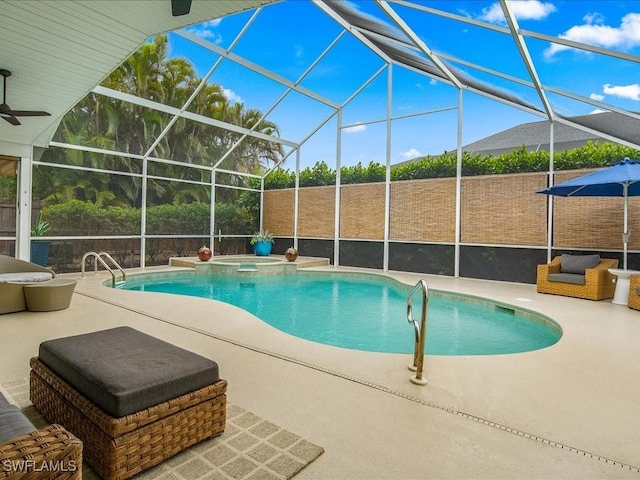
[(596, 96), (207, 30), (355, 129), (231, 95), (631, 92), (595, 32), (522, 9), (594, 17), (411, 153), (597, 110)]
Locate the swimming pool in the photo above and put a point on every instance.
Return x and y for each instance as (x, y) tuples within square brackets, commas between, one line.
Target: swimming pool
[(365, 312)]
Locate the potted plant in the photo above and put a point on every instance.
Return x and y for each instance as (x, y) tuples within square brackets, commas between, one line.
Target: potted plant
[(40, 248), (262, 242)]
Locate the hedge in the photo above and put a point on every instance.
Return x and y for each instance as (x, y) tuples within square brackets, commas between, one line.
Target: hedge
[(75, 216), (591, 155)]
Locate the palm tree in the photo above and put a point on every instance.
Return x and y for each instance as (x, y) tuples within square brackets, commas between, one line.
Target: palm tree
[(111, 124)]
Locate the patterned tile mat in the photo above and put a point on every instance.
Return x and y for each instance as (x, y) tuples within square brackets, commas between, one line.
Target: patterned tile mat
[(250, 448)]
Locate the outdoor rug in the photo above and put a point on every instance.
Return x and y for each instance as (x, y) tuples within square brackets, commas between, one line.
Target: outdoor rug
[(250, 448)]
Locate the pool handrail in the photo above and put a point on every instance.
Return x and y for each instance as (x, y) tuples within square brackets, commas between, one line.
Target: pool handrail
[(420, 331), (98, 258)]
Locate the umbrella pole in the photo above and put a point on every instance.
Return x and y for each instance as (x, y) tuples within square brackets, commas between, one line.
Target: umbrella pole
[(625, 234)]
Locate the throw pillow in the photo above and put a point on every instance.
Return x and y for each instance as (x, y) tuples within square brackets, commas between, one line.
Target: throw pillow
[(578, 263)]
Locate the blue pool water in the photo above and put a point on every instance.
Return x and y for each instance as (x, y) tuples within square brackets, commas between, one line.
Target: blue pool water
[(363, 313)]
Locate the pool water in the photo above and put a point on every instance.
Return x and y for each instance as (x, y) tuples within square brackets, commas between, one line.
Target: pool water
[(364, 312)]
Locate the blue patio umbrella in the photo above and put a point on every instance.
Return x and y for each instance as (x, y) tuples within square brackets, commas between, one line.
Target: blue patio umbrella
[(619, 180)]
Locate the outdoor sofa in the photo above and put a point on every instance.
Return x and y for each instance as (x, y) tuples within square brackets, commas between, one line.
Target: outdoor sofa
[(27, 453), (14, 275), (581, 276), (28, 286)]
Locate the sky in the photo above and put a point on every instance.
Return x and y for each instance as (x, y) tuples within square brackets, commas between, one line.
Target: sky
[(289, 37)]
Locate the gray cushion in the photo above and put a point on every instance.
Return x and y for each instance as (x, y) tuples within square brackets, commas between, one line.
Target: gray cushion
[(3, 401), (123, 370), (13, 423), (566, 278), (578, 263)]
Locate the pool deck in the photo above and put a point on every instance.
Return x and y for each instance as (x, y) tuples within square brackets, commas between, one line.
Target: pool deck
[(566, 411)]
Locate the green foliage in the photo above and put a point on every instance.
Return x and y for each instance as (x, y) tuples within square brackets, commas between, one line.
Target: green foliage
[(101, 122), (75, 216), (178, 219), (40, 228), (594, 155), (249, 203), (233, 219), (262, 236), (591, 155), (427, 167), (8, 187), (520, 161), (318, 175), (278, 179), (359, 174)]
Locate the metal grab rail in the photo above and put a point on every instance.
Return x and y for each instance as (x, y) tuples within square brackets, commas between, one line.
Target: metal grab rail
[(98, 257), (420, 331)]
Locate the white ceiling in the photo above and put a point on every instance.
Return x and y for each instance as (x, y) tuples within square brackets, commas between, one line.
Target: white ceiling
[(59, 50)]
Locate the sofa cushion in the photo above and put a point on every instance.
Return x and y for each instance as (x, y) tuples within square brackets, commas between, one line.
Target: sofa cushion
[(25, 277), (124, 371), (578, 263), (13, 423), (566, 278), (3, 401)]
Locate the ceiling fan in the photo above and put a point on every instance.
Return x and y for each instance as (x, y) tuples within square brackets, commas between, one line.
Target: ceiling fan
[(5, 110), (180, 7)]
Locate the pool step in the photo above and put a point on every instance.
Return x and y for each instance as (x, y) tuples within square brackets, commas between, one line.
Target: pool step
[(247, 267)]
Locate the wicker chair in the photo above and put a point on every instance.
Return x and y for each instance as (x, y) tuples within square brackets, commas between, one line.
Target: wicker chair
[(51, 453), (634, 298), (599, 283)]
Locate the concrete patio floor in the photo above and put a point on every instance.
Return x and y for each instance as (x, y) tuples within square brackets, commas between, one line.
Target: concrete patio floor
[(567, 411)]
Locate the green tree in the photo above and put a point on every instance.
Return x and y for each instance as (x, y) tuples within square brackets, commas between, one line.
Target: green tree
[(106, 123)]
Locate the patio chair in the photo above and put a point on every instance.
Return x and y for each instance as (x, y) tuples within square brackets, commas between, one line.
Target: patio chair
[(14, 275), (580, 276), (634, 292)]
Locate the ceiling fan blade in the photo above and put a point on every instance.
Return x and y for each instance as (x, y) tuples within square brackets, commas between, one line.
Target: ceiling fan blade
[(180, 7), (5, 110), (28, 113), (12, 120)]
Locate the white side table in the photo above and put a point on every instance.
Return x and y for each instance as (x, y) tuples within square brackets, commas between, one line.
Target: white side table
[(621, 296)]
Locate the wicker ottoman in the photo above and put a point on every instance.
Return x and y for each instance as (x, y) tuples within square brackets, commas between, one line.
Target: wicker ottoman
[(132, 399)]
